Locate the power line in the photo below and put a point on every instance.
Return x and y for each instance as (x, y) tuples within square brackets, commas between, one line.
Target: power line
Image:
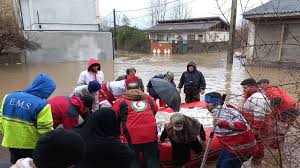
[(148, 7), (137, 17)]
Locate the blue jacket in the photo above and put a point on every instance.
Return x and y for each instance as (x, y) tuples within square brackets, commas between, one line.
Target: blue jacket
[(26, 115)]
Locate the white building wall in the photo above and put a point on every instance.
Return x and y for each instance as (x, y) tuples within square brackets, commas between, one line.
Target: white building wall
[(59, 14), (216, 36), (211, 36)]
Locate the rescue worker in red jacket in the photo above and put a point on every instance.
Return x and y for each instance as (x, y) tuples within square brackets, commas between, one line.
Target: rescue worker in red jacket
[(284, 108), (66, 110), (138, 125), (257, 111), (110, 91), (233, 132)]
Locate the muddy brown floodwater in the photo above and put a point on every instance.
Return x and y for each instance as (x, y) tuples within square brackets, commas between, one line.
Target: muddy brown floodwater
[(218, 76)]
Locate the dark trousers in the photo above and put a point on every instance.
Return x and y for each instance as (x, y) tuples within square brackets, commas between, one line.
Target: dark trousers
[(189, 98), (181, 152), (150, 152), (16, 154), (230, 160)]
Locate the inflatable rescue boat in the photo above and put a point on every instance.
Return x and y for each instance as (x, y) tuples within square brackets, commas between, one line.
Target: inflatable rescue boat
[(197, 110)]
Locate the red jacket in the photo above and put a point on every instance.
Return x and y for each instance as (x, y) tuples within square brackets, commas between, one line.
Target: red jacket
[(138, 124), (66, 110), (235, 133), (105, 94), (287, 102)]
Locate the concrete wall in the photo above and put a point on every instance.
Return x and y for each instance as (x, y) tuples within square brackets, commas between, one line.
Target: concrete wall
[(59, 14), (266, 38), (70, 46)]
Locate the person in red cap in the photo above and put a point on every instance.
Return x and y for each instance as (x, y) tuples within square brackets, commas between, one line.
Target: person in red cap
[(112, 90), (137, 111), (66, 110), (93, 72)]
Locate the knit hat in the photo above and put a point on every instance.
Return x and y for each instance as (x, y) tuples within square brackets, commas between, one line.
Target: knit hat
[(59, 149), (87, 101), (94, 86), (131, 79), (170, 74)]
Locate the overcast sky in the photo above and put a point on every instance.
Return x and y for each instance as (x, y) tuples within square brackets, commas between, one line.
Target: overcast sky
[(199, 8)]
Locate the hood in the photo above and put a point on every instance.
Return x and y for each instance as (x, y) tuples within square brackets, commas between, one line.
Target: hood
[(135, 94), (192, 63), (102, 123), (93, 61), (42, 86), (77, 103)]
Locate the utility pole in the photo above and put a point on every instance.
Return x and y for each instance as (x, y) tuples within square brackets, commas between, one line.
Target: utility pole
[(232, 32), (115, 29)]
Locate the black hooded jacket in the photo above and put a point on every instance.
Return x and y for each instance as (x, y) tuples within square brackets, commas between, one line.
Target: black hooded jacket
[(103, 146), (192, 81)]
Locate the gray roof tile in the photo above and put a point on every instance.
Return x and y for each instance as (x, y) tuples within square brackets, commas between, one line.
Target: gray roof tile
[(275, 8)]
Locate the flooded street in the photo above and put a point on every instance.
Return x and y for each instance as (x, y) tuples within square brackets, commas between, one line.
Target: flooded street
[(213, 65)]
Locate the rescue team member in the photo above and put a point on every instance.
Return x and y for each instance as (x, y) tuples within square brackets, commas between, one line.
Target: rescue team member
[(112, 90), (169, 76), (89, 90), (233, 132), (66, 110), (57, 149), (258, 113), (193, 82), (182, 132), (132, 72), (25, 116), (92, 73), (137, 112), (283, 105)]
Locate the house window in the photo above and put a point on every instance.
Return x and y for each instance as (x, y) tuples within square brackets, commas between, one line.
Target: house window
[(171, 37), (191, 37), (152, 36), (160, 37)]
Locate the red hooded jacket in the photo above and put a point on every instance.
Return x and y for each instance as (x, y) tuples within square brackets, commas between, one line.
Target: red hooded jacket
[(66, 110), (287, 102)]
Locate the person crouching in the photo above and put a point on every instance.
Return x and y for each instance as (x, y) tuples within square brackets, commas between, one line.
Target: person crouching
[(182, 132), (233, 132)]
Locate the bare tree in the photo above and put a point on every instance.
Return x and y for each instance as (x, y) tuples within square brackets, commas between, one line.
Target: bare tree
[(125, 20), (180, 10), (10, 34), (158, 10)]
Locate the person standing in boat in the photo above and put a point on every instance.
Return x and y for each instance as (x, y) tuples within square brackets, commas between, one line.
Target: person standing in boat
[(131, 72), (137, 112), (193, 82), (233, 132), (257, 112), (92, 73), (284, 107), (182, 132)]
